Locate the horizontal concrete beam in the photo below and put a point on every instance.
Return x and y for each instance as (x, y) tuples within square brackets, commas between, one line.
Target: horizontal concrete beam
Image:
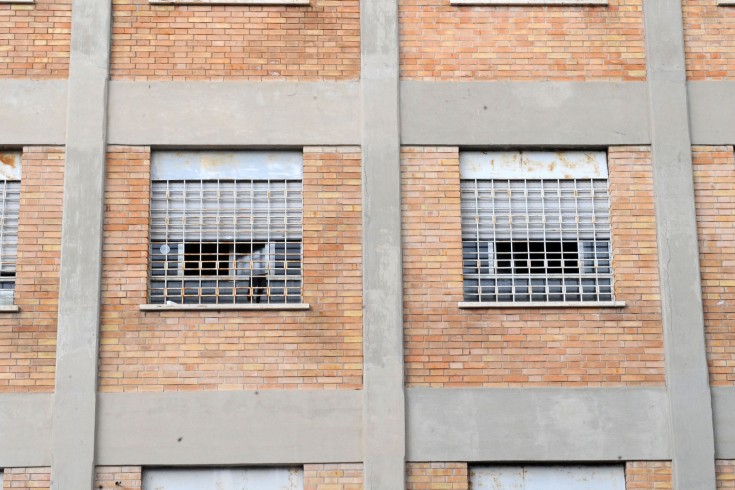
[(32, 112), (25, 430), (524, 113), (537, 424), (181, 114), (220, 428), (723, 406), (711, 113)]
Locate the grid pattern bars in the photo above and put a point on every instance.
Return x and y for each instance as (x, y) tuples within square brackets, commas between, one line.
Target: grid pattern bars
[(226, 241), (538, 241), (9, 209)]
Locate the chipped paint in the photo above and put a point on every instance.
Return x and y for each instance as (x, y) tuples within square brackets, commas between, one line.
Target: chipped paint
[(533, 165), (212, 165), (10, 168)]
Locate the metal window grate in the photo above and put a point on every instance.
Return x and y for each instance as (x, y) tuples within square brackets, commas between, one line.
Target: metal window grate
[(226, 241), (545, 240), (9, 209)]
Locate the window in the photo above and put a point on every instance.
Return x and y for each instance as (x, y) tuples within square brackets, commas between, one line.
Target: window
[(536, 227), (226, 228), (10, 170), (224, 479), (548, 477)]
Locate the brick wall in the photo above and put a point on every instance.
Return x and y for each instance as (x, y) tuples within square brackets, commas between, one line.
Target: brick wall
[(34, 39), (648, 475), (28, 338), (437, 476), (447, 346), (27, 479), (320, 41), (333, 477), (714, 184), (118, 477), (725, 474), (709, 35), (446, 42), (221, 350)]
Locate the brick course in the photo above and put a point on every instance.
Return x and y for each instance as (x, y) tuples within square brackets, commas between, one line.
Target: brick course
[(450, 347), (28, 338), (320, 41), (725, 474), (232, 350), (714, 185), (118, 477), (35, 39), (333, 477), (437, 476), (27, 479), (709, 36), (648, 475), (440, 41)]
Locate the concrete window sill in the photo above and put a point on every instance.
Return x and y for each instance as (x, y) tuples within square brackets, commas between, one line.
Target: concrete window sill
[(25, 2), (726, 3), (558, 304), (256, 307), (9, 308), (229, 2), (529, 2)]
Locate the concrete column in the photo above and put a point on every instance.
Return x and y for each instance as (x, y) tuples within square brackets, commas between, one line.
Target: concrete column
[(687, 376), (74, 408), (384, 438)]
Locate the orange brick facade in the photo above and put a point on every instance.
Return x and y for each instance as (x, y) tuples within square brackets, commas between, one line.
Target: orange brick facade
[(437, 476), (118, 478), (726, 474), (218, 350), (450, 347), (440, 41), (27, 479), (709, 32), (35, 39), (648, 475), (28, 338), (714, 178), (320, 41)]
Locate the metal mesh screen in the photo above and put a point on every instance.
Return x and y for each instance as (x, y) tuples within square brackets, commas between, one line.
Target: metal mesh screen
[(9, 208), (225, 241), (536, 240)]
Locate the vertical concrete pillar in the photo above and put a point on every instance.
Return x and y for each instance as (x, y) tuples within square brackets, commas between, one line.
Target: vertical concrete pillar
[(384, 439), (687, 376), (74, 412)]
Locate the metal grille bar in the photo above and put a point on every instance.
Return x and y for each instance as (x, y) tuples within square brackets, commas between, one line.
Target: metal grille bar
[(226, 241), (9, 210), (536, 240)]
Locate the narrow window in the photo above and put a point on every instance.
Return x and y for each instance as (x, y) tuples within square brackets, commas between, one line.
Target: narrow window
[(10, 172), (224, 479), (226, 228), (536, 227), (570, 477)]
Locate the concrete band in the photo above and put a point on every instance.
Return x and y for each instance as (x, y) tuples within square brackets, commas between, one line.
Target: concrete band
[(74, 407), (687, 376)]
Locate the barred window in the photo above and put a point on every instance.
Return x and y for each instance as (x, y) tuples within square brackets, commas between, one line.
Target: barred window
[(274, 478), (226, 228), (536, 227), (10, 172)]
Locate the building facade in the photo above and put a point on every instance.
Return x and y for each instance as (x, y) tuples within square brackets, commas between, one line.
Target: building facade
[(379, 244)]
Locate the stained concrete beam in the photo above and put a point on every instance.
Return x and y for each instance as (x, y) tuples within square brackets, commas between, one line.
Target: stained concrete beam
[(711, 112), (25, 430), (32, 112)]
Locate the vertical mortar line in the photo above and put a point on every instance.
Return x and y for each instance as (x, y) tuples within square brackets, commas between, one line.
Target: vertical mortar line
[(687, 377), (74, 406), (384, 426)]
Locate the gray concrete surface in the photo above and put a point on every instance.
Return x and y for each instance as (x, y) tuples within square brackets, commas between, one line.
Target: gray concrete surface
[(723, 405), (234, 114), (384, 436), (220, 428), (74, 410), (32, 112), (712, 112), (25, 430), (537, 424), (687, 376), (524, 113)]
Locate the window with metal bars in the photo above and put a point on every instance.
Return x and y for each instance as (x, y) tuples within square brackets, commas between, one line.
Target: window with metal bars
[(226, 228), (10, 174), (536, 227)]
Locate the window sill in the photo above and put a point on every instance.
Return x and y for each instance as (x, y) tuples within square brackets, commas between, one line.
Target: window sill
[(530, 2), (9, 308), (26, 2), (555, 304), (726, 3), (287, 307), (228, 2)]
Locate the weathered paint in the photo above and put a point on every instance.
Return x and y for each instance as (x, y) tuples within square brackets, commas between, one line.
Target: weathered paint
[(547, 478), (224, 479), (10, 165), (533, 165), (212, 165)]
